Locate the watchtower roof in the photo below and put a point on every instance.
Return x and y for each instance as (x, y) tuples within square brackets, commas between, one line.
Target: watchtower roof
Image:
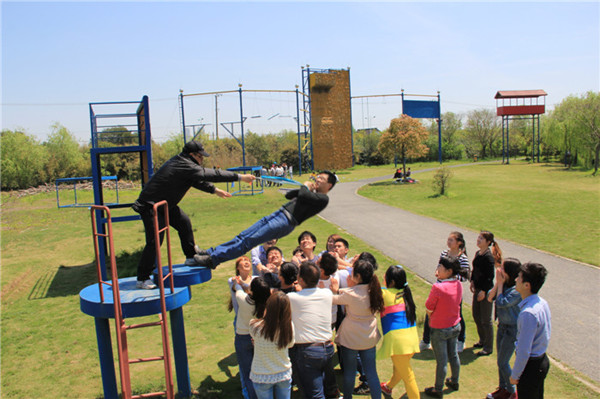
[(520, 93)]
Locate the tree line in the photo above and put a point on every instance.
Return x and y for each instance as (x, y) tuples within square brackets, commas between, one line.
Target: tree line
[(569, 133)]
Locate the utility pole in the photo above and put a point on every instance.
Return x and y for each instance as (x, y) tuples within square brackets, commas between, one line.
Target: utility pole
[(217, 116)]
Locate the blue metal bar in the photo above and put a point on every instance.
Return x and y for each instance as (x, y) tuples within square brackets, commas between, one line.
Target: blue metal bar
[(298, 129), (105, 353), (439, 129), (351, 130), (182, 371), (101, 116)]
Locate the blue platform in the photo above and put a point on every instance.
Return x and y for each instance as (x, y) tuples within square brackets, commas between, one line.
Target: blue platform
[(184, 276), (137, 303)]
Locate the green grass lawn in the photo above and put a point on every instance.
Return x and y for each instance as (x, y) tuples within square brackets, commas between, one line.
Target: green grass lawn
[(539, 205), (49, 347)]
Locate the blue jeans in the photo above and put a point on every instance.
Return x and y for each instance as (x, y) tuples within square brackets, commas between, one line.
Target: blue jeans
[(244, 350), (506, 336), (443, 342), (279, 390), (276, 225), (367, 357), (311, 363)]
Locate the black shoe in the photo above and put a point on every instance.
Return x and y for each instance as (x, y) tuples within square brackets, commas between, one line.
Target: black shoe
[(451, 385), (433, 393), (204, 260), (362, 389), (200, 251), (478, 345), (483, 353)]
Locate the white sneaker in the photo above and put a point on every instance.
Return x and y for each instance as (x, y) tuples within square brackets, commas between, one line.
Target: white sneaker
[(460, 347), (424, 346), (145, 285)]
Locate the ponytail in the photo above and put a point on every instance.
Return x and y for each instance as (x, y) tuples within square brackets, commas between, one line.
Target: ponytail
[(375, 295), (365, 270), (497, 253), (395, 277), (495, 250), (409, 304)]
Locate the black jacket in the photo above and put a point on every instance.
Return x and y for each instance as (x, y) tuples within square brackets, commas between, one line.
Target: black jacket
[(304, 203), (172, 181)]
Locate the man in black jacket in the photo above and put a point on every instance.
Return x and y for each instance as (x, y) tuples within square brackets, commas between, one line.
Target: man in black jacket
[(171, 182), (304, 203)]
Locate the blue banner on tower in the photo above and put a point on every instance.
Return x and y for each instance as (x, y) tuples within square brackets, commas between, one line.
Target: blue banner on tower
[(421, 109)]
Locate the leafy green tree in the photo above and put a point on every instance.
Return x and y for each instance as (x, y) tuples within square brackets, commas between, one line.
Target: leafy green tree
[(576, 123), (22, 160), (366, 146), (452, 147), (482, 133), (404, 137), (65, 157), (257, 147)]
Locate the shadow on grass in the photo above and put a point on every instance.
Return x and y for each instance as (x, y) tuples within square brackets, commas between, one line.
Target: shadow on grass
[(69, 280), (211, 389), (227, 362), (466, 357)]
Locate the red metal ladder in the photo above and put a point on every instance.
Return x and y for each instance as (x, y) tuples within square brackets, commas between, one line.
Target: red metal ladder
[(121, 327)]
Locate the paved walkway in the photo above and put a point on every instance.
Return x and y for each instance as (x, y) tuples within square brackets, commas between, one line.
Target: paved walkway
[(572, 288)]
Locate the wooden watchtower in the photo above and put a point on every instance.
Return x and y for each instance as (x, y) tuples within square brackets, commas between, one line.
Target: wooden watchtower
[(517, 104)]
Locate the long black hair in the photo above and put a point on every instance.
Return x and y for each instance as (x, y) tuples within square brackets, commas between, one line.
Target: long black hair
[(259, 293), (395, 277), (365, 270)]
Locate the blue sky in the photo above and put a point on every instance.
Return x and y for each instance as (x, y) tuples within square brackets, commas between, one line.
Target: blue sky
[(58, 57)]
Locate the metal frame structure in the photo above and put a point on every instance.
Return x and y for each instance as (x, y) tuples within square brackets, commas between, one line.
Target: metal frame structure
[(513, 105), (75, 180), (112, 119), (231, 129), (243, 191), (419, 109)]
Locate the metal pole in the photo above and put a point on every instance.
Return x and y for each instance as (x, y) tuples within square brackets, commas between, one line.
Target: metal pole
[(217, 116), (242, 126), (507, 141), (182, 115), (298, 127), (538, 118), (439, 129), (533, 141)]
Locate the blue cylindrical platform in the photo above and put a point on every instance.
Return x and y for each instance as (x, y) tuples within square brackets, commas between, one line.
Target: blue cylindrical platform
[(184, 276), (135, 302)]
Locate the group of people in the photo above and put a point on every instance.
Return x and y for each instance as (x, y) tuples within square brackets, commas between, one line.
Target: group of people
[(286, 312), (277, 170), (316, 282)]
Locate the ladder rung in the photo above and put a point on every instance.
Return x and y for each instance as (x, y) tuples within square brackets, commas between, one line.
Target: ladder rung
[(132, 326), (303, 125), (145, 359), (150, 395)]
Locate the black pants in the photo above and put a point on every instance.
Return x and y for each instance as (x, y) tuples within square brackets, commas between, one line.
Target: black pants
[(180, 222), (531, 383)]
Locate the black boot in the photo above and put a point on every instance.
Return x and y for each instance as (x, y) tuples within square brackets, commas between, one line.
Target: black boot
[(204, 260)]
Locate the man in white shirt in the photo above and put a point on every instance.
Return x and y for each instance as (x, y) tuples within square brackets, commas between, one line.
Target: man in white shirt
[(313, 353)]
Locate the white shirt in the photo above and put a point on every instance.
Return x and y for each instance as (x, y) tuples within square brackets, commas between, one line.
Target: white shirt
[(311, 314), (244, 315)]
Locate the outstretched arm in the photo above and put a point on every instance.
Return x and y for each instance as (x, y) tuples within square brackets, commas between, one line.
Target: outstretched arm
[(221, 193)]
